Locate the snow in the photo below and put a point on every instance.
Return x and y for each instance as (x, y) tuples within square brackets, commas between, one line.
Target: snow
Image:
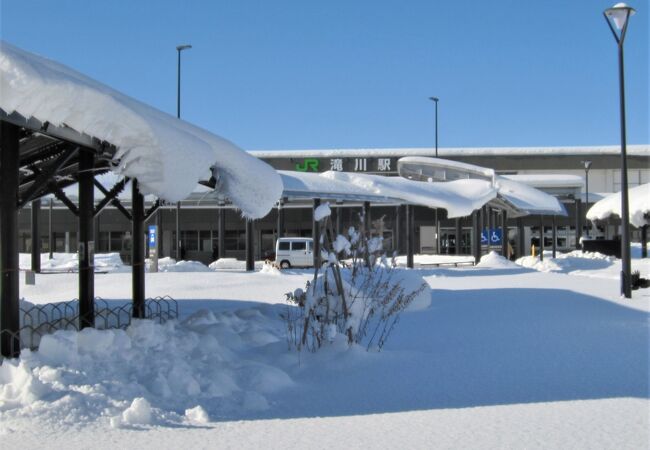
[(459, 197), (322, 211), (549, 180), (314, 185), (528, 199), (167, 156), (638, 201), (502, 356)]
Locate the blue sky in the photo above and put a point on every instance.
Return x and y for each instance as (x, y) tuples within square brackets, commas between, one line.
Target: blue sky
[(351, 74)]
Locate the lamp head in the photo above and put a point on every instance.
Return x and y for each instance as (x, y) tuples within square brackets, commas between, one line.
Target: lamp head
[(183, 47), (435, 99), (587, 164)]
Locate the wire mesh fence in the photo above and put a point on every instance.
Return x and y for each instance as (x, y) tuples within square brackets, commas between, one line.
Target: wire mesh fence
[(38, 320)]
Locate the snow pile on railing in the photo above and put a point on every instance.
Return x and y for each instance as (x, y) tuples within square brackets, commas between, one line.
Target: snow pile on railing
[(639, 206), (168, 156)]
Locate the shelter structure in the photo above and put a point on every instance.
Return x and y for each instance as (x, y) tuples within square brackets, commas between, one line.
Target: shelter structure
[(639, 204), (59, 127)]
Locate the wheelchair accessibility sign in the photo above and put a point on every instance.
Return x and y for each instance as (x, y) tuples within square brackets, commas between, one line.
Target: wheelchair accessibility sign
[(494, 235)]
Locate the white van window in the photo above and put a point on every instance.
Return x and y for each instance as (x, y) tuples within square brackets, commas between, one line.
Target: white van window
[(283, 245), (298, 245), (310, 246)]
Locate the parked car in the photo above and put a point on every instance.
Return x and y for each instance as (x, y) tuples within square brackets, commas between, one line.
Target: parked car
[(294, 252)]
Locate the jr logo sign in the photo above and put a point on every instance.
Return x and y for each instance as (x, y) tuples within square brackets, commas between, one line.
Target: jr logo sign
[(308, 165)]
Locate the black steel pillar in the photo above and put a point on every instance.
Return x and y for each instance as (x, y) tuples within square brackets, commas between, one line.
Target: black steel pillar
[(437, 230), (50, 231), (626, 261), (280, 218), (554, 234), (459, 237), (410, 235), (179, 242), (339, 217), (159, 224), (36, 237), (541, 238), (316, 233), (137, 250), (476, 232), (366, 219), (521, 237), (86, 248), (9, 171), (397, 230), (250, 260), (504, 234), (221, 246), (578, 208), (644, 241)]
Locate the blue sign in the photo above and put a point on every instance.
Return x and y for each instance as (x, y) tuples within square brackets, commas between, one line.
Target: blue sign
[(153, 235), (494, 235)]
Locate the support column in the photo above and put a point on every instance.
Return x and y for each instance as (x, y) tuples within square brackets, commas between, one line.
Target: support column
[(410, 235), (86, 246), (250, 262), (578, 211), (36, 237), (397, 230), (9, 172), (554, 234), (644, 241), (178, 231), (459, 236), (159, 224), (221, 245), (137, 250), (316, 233), (541, 238), (521, 238), (339, 218), (504, 234), (366, 219), (280, 218), (437, 230), (476, 231), (50, 230)]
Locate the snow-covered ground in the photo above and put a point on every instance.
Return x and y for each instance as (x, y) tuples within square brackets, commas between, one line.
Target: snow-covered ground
[(506, 356)]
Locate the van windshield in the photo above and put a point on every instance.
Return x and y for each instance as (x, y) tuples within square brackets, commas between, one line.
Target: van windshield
[(298, 245)]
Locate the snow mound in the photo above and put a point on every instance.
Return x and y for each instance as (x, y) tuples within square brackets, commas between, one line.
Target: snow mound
[(197, 415), (69, 262), (171, 265), (232, 264), (270, 269), (575, 261), (494, 260)]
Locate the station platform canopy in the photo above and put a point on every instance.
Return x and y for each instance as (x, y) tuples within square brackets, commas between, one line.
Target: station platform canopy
[(639, 206), (518, 199), (62, 112)]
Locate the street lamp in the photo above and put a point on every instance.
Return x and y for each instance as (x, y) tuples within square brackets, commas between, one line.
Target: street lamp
[(435, 100), (587, 165), (179, 48), (619, 15)]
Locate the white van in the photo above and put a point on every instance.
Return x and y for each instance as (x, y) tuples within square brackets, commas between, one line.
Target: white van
[(294, 252)]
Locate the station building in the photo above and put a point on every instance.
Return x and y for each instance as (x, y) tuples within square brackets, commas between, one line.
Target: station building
[(559, 171)]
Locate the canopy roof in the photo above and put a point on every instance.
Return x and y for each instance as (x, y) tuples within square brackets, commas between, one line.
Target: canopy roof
[(168, 156), (517, 198), (639, 206)]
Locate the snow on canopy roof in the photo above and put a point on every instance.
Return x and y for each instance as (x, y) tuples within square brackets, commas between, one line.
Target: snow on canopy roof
[(632, 150), (526, 199), (639, 206), (168, 156), (459, 197), (548, 180), (518, 198), (313, 185)]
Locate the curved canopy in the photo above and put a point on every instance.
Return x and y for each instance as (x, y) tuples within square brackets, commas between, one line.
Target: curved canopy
[(167, 156)]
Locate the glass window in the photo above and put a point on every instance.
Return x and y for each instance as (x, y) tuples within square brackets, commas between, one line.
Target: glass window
[(190, 239), (116, 238), (298, 245), (284, 245), (205, 240)]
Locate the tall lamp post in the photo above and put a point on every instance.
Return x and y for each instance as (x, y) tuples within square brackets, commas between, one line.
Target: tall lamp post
[(435, 100), (617, 18), (179, 49)]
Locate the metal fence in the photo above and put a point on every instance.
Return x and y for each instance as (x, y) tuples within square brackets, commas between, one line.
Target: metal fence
[(39, 320)]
